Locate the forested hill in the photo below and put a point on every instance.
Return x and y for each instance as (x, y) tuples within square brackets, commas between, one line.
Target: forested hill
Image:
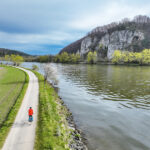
[(4, 52), (126, 35)]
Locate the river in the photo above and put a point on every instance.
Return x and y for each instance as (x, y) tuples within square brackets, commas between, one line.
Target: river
[(110, 104)]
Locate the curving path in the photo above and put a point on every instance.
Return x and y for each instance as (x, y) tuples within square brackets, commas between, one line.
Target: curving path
[(22, 133)]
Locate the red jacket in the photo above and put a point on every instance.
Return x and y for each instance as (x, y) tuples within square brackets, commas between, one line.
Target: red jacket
[(30, 112)]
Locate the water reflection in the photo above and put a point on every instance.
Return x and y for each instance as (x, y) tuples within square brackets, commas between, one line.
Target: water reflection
[(115, 83)]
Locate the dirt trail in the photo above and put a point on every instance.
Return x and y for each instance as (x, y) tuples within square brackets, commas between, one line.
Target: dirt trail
[(22, 133)]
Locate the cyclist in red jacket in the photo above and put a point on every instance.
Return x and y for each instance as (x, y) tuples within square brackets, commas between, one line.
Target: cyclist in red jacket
[(30, 113)]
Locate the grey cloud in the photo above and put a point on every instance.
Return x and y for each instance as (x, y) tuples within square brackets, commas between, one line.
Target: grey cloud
[(32, 24)]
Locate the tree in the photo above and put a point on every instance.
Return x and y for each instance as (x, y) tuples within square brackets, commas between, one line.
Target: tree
[(50, 74), (64, 57), (19, 60), (100, 46), (117, 57), (92, 57), (138, 58), (7, 58), (146, 56), (141, 19), (125, 20), (16, 59), (125, 57), (132, 57), (74, 58), (57, 58), (12, 57), (78, 57), (35, 67), (44, 58)]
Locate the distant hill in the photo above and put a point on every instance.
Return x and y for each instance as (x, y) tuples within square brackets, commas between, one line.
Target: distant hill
[(126, 35), (4, 52)]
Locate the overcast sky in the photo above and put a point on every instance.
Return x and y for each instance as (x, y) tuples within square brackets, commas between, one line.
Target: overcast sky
[(46, 26)]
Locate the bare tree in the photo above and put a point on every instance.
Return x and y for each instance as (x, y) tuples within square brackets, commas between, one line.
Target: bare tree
[(125, 20), (50, 74), (141, 19), (104, 29)]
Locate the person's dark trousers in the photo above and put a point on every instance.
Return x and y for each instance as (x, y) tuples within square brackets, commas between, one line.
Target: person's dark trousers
[(30, 118)]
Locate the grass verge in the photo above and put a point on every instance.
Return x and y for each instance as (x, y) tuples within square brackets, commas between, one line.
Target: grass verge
[(11, 83), (52, 132), (9, 119)]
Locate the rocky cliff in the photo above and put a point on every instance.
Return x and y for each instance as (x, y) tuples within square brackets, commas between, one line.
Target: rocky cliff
[(127, 35)]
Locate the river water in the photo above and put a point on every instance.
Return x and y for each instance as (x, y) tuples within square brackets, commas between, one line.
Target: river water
[(110, 104)]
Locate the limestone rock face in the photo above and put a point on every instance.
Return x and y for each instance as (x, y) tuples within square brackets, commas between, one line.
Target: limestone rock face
[(126, 35), (117, 40), (85, 45)]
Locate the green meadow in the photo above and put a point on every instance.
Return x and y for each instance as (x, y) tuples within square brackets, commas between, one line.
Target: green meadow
[(13, 85)]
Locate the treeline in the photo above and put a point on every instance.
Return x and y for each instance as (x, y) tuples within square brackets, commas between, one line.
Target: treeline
[(15, 59), (142, 58), (140, 19), (60, 58), (64, 57), (41, 59), (67, 58), (4, 52)]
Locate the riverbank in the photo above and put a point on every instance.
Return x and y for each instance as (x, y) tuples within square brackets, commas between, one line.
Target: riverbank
[(55, 127), (13, 86), (105, 63)]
